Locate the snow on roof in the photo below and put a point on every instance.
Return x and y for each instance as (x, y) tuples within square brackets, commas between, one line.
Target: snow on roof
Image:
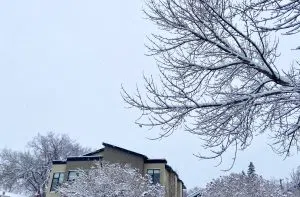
[(195, 194)]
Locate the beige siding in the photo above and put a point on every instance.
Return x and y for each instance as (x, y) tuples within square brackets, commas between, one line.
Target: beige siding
[(116, 156), (179, 189), (176, 186), (172, 185), (55, 168), (158, 166), (167, 185), (74, 165), (71, 165)]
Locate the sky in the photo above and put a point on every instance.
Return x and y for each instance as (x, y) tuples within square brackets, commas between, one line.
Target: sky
[(62, 64)]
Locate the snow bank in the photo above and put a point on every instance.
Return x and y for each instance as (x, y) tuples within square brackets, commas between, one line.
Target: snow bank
[(11, 194)]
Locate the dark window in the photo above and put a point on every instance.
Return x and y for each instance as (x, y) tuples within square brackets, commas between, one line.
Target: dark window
[(72, 175), (58, 178), (155, 175)]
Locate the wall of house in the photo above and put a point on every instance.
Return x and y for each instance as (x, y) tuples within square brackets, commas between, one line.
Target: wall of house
[(167, 185), (173, 185), (74, 165), (159, 166), (172, 188), (71, 165), (55, 168), (179, 188), (114, 155)]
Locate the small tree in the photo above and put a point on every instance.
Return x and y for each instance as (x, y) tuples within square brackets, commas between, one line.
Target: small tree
[(239, 185), (251, 170), (27, 171), (111, 180)]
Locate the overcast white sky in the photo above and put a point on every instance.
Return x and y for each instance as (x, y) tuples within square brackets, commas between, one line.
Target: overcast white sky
[(61, 67)]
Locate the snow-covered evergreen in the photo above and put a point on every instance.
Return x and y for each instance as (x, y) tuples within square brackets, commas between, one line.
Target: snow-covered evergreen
[(251, 169)]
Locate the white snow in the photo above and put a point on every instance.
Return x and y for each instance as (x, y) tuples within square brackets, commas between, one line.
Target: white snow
[(11, 194)]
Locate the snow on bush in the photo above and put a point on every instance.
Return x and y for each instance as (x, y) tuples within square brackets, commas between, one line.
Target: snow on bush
[(241, 185), (111, 180)]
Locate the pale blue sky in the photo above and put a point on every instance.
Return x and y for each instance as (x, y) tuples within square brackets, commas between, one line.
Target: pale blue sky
[(61, 67)]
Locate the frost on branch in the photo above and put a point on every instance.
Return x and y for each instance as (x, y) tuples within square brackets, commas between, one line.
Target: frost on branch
[(278, 15), (218, 77), (111, 180)]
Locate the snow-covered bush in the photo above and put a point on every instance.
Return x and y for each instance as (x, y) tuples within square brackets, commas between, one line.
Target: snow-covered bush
[(241, 185), (111, 180)]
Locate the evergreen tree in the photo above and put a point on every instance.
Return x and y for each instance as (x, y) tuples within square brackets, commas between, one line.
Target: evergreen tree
[(251, 169)]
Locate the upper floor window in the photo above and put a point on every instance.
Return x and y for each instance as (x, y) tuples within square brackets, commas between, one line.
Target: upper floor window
[(72, 175), (154, 174), (58, 178)]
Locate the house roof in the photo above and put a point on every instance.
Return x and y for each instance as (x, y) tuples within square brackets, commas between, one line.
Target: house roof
[(94, 152), (59, 162), (84, 158), (156, 161), (79, 158)]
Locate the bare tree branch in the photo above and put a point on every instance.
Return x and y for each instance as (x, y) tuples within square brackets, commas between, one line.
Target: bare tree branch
[(218, 75)]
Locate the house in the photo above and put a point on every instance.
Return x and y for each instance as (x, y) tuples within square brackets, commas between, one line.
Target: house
[(158, 169)]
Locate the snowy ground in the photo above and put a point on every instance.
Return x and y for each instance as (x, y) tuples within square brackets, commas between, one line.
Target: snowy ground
[(12, 195)]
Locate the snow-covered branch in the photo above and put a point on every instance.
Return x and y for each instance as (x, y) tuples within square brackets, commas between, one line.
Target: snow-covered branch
[(278, 15), (242, 185), (218, 77), (28, 171)]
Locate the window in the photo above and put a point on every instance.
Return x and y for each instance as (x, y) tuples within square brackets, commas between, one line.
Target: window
[(58, 178), (155, 175), (72, 175)]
